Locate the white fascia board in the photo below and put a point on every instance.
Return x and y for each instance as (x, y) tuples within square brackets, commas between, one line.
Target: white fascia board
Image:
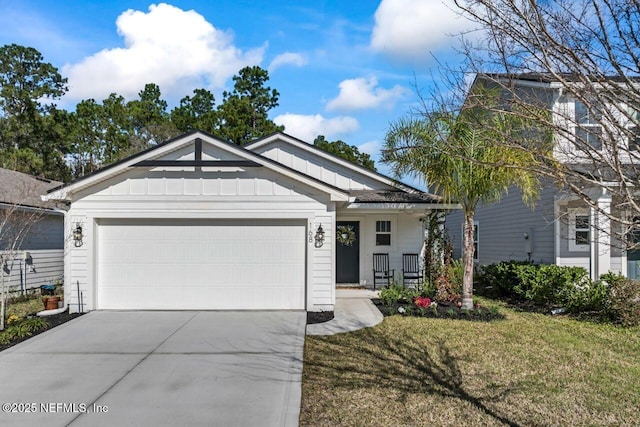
[(65, 193), (327, 156), (524, 83), (24, 208), (60, 194)]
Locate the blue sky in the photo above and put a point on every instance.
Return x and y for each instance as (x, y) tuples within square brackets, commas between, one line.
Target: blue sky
[(344, 69)]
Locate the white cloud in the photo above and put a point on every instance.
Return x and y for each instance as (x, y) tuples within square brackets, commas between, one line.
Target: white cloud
[(287, 58), (362, 93), (372, 148), (410, 29), (307, 127), (173, 48)]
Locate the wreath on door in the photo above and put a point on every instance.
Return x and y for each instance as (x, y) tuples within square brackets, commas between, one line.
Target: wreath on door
[(345, 235)]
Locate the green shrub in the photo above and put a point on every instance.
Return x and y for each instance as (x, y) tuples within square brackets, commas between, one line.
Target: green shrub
[(500, 278), (455, 272), (428, 289), (23, 329), (17, 332), (588, 296), (613, 296), (613, 279), (391, 294), (541, 284), (35, 324), (408, 294), (549, 284), (397, 293), (625, 301)]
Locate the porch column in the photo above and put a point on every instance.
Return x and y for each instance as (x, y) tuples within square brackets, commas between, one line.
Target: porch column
[(603, 233)]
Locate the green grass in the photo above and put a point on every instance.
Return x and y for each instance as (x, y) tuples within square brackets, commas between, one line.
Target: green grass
[(529, 369)]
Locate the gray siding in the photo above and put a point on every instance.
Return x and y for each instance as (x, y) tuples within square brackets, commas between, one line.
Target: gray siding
[(579, 258), (47, 233), (44, 244), (502, 226), (582, 258), (43, 267)]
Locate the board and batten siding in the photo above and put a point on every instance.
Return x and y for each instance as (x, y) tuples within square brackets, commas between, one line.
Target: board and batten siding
[(254, 193), (502, 225), (315, 166), (323, 260), (406, 237)]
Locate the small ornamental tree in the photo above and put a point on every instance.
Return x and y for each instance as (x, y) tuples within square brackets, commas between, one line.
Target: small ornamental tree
[(459, 154)]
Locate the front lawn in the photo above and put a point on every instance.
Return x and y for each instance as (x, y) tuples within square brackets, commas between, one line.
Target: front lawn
[(529, 369)]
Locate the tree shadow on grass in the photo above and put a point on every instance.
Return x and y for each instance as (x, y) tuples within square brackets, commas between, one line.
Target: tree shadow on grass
[(400, 364)]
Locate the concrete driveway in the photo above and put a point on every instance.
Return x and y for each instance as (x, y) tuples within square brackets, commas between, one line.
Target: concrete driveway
[(158, 368)]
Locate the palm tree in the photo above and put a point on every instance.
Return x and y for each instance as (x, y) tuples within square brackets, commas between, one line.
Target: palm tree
[(468, 157)]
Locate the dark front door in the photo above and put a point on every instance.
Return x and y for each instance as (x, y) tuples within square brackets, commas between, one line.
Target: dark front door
[(348, 257)]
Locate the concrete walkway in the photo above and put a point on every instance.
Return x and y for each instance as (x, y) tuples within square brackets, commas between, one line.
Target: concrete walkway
[(353, 310), (158, 368)]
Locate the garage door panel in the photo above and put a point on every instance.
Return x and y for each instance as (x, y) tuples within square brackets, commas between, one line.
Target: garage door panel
[(201, 265)]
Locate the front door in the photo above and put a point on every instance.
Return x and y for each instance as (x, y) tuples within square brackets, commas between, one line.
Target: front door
[(348, 256)]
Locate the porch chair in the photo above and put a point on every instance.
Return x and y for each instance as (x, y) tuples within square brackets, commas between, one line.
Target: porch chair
[(381, 271), (411, 271)]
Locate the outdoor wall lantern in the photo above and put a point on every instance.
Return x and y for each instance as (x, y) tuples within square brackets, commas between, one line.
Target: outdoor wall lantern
[(77, 236), (319, 237)]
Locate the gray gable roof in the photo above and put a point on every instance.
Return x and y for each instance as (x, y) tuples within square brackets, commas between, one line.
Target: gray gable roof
[(17, 188)]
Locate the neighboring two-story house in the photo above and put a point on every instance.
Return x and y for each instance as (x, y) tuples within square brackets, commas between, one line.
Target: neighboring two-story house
[(562, 229)]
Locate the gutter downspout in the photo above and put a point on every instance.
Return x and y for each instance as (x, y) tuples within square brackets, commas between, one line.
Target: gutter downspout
[(45, 313), (64, 307)]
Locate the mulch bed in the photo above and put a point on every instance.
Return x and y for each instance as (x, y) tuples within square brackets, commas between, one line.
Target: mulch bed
[(55, 320), (443, 310), (318, 316)]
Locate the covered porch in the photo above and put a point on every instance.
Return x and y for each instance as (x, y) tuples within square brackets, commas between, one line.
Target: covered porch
[(391, 223)]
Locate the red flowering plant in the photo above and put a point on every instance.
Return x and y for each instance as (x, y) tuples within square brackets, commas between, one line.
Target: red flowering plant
[(422, 302)]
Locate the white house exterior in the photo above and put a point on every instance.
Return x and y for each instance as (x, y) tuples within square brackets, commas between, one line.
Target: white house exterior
[(198, 223), (562, 229)]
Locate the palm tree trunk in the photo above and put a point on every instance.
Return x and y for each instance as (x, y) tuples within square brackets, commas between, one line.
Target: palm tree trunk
[(467, 256)]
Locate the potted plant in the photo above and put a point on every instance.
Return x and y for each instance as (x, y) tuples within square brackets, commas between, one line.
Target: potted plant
[(51, 301)]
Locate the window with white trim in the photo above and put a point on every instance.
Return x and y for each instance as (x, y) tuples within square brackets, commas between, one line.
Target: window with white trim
[(579, 229), (383, 233), (588, 129)]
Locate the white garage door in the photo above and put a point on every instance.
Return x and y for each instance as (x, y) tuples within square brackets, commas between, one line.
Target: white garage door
[(193, 264)]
